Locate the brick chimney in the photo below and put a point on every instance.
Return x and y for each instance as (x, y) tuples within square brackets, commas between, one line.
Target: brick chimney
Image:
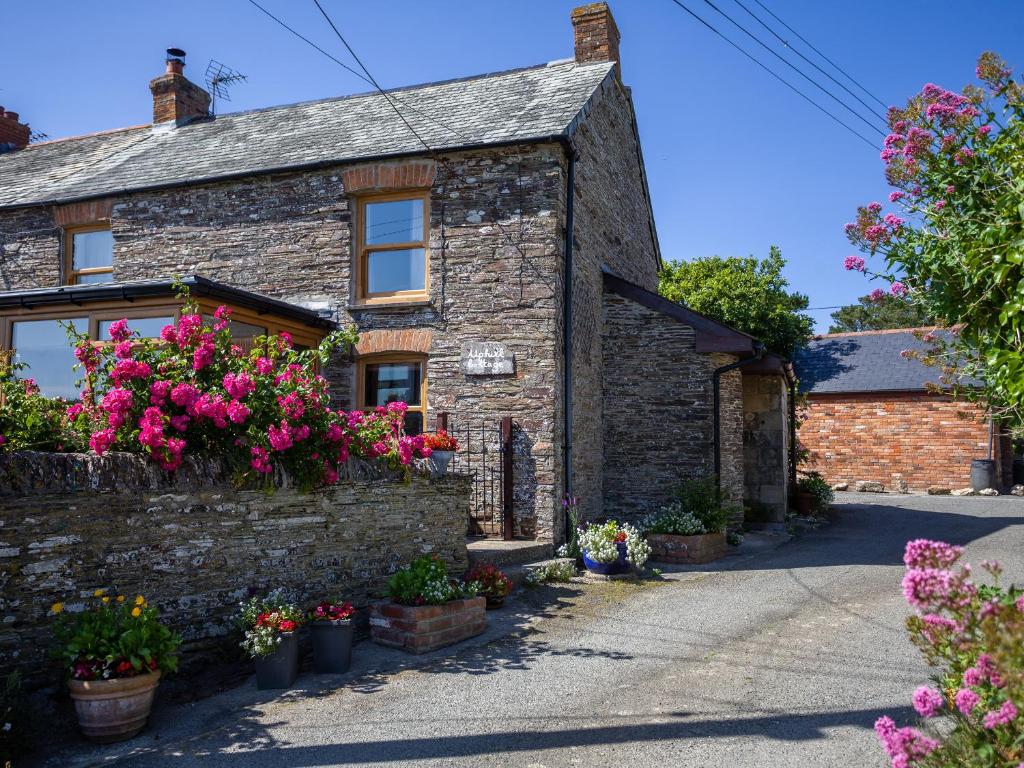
[(595, 34), (175, 98), (13, 134)]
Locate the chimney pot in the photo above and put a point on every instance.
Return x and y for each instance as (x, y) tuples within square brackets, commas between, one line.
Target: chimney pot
[(595, 34), (11, 116), (175, 67)]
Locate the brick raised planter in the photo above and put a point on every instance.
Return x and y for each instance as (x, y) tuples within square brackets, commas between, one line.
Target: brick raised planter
[(704, 548), (422, 628)]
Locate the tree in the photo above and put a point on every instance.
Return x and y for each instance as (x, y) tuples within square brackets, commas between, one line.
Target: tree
[(956, 162), (745, 293), (879, 315)]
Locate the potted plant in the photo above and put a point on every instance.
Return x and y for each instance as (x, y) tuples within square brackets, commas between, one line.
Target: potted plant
[(427, 609), (611, 548), (490, 582), (114, 651), (692, 528), (270, 626), (331, 627), (442, 450), (813, 495)]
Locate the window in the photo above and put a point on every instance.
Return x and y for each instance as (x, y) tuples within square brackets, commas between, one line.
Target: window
[(390, 379), (393, 231), (43, 345), (90, 254), (146, 327)]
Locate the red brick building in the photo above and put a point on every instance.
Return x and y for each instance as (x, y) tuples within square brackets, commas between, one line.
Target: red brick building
[(869, 416)]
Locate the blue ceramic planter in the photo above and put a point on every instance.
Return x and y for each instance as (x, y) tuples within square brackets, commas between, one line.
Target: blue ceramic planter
[(609, 569)]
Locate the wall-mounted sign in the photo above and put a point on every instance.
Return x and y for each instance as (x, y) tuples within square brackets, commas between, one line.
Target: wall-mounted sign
[(486, 358)]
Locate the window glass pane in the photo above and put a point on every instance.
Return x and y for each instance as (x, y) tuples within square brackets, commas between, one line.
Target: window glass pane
[(401, 270), (147, 327), (413, 422), (392, 383), (397, 221), (92, 249), (239, 330), (95, 277), (44, 346)]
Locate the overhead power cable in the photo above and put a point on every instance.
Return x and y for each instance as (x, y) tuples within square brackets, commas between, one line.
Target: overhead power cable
[(778, 77), (371, 77), (785, 42), (796, 69), (354, 71), (826, 58)]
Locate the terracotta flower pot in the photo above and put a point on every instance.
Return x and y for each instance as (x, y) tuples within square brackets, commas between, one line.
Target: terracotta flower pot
[(113, 710), (804, 503)]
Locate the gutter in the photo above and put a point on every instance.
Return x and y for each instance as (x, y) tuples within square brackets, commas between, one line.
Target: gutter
[(759, 351)]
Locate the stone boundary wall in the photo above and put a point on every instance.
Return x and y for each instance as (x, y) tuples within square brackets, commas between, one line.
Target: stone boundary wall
[(195, 544)]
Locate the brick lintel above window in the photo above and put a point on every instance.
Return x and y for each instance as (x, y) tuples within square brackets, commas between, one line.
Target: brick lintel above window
[(389, 177)]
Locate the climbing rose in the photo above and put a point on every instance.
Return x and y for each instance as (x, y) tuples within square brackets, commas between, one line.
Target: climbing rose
[(119, 330), (102, 440)]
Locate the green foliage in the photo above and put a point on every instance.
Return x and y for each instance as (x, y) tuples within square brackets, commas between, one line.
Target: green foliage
[(558, 571), (698, 508), (425, 582), (957, 163), (745, 293), (734, 538), (114, 637), (263, 619), (30, 421), (814, 484), (879, 314)]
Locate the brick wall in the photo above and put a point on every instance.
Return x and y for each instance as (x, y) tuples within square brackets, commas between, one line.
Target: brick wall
[(877, 436), (658, 399), (194, 544)]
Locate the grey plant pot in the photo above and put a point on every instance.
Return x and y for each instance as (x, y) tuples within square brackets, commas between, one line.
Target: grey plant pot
[(332, 646), (439, 461), (280, 668)]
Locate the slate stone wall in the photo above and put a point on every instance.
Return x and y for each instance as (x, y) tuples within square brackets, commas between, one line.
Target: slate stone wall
[(612, 228), (766, 445), (658, 402), (195, 545)]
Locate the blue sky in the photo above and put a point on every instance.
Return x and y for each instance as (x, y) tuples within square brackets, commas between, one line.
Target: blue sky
[(736, 162)]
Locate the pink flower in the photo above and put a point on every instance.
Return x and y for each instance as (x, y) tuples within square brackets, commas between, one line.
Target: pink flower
[(184, 395), (898, 289), (950, 189), (292, 405), (895, 196), (238, 385), (927, 701), (966, 700), (264, 366), (117, 400), (130, 369), (189, 329), (330, 474), (1005, 714), (237, 412), (300, 433), (102, 440), (903, 744), (169, 334), (924, 586), (874, 207), (73, 411), (280, 437), (119, 330), (212, 407), (159, 391), (203, 355), (876, 295), (123, 350), (940, 204), (1020, 603), (854, 263), (893, 220), (180, 422), (151, 428), (985, 130), (260, 460), (223, 315), (334, 433)]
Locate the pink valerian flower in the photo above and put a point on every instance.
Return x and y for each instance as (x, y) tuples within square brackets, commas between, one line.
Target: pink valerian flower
[(876, 295), (925, 553), (119, 330), (1020, 603), (280, 437), (260, 459), (238, 385), (924, 587), (1005, 714), (927, 701), (264, 366), (893, 220), (963, 155), (898, 289), (966, 700), (896, 195), (875, 233), (903, 745), (854, 263), (874, 207), (159, 391), (940, 204), (985, 130), (237, 412), (102, 440)]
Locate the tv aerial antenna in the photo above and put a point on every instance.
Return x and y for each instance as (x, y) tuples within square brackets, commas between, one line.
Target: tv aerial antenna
[(219, 79)]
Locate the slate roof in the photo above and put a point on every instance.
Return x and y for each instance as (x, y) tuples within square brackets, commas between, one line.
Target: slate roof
[(865, 362), (504, 107)]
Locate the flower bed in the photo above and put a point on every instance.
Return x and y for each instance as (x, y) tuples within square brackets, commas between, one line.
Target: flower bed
[(701, 548), (692, 528)]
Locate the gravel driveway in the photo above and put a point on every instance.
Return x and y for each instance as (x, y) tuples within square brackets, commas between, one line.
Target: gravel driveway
[(779, 658)]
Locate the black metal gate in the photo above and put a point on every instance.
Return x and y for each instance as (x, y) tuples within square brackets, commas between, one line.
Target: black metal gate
[(485, 453)]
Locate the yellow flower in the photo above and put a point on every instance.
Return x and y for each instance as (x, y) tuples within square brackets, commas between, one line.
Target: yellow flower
[(98, 593), (120, 598), (136, 611), (57, 607), (140, 600), (106, 599)]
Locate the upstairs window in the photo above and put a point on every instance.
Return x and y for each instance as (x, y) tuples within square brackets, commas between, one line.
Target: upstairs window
[(393, 233), (90, 254)]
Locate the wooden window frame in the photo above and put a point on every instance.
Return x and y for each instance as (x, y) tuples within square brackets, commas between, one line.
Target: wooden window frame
[(363, 296), (71, 274), (392, 357)]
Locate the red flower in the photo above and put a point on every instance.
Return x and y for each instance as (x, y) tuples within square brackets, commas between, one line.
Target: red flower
[(124, 668), (287, 625), (262, 620), (620, 537)]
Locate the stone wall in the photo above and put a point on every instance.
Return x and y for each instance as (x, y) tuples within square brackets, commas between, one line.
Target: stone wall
[(766, 445), (613, 227), (195, 545), (881, 437), (658, 399)]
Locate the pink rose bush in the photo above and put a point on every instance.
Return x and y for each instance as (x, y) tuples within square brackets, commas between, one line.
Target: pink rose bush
[(194, 392), (974, 634)]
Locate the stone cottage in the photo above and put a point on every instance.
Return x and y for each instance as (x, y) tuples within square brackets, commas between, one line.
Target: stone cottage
[(492, 239), (873, 414)]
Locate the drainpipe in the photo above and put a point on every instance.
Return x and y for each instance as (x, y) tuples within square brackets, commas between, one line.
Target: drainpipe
[(716, 400), (567, 321)]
